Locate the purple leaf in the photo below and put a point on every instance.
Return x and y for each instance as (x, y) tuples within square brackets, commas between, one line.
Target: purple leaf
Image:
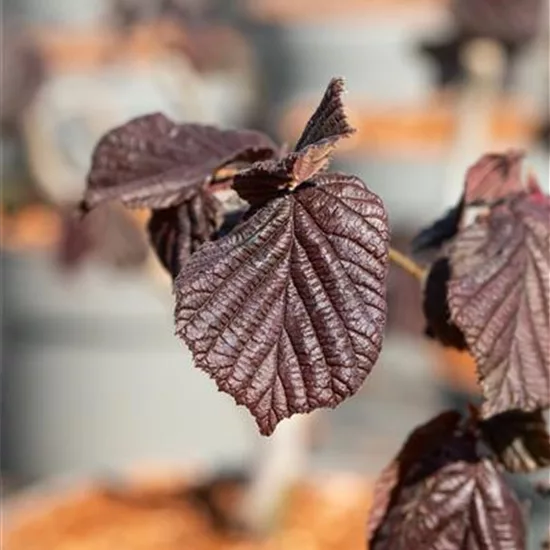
[(287, 312), (329, 121), (179, 231), (422, 442), (439, 494), (327, 126), (519, 440), (494, 177), (153, 162), (499, 297)]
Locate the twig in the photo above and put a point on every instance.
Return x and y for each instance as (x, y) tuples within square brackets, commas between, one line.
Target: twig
[(408, 265)]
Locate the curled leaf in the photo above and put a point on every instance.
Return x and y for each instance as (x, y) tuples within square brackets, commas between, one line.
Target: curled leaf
[(422, 442), (494, 177), (328, 125), (287, 312), (439, 494), (179, 231), (436, 309), (499, 297), (155, 163), (519, 439)]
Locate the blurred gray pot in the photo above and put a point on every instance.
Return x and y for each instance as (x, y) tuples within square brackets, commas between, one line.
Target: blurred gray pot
[(376, 55), (93, 377)]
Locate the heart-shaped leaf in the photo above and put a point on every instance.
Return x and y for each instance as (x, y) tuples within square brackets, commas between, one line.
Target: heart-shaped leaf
[(287, 312), (439, 494), (155, 163), (499, 297), (178, 231), (520, 440)]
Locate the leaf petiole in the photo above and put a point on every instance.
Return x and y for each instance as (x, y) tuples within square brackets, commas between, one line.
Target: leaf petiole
[(407, 264)]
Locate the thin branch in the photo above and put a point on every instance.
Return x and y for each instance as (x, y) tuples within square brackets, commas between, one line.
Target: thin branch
[(408, 265)]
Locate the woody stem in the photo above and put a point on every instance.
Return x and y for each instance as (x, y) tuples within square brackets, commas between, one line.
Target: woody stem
[(408, 265)]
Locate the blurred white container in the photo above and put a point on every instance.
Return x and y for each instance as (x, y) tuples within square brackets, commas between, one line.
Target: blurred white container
[(375, 53), (73, 110)]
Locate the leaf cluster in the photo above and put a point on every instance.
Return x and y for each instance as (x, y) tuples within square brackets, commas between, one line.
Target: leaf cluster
[(279, 273)]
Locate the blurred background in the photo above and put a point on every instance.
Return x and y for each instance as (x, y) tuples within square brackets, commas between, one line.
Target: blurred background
[(94, 384)]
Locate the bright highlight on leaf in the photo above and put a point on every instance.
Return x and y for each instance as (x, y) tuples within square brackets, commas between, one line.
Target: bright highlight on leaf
[(153, 162), (440, 494)]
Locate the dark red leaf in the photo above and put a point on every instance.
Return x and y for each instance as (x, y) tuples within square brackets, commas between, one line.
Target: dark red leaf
[(421, 443), (436, 309), (328, 125), (153, 162), (329, 119), (287, 312), (494, 177), (519, 439), (443, 496), (179, 231), (499, 297)]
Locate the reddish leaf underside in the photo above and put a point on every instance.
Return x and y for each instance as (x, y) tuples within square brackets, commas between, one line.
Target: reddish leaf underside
[(155, 163), (439, 494), (423, 441), (287, 312), (499, 297), (494, 177)]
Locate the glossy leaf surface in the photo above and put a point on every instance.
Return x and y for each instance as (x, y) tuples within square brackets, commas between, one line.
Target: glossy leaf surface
[(287, 312), (179, 231), (439, 494), (155, 163)]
